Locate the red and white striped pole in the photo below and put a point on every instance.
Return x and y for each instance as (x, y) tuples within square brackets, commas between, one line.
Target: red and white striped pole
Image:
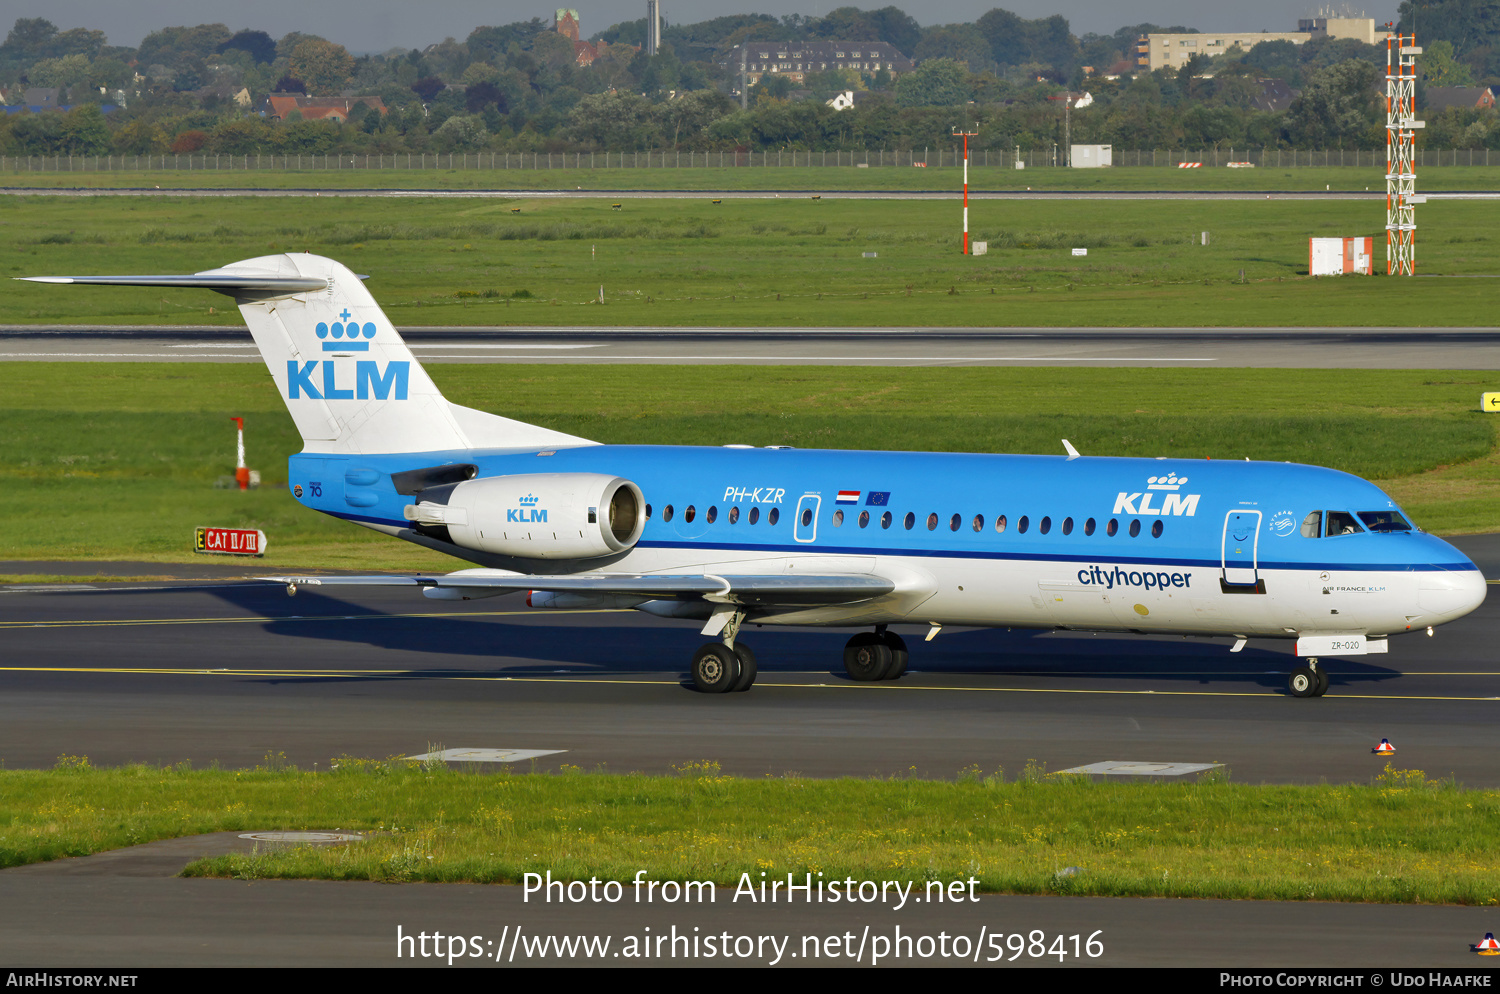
[(241, 472), (966, 135)]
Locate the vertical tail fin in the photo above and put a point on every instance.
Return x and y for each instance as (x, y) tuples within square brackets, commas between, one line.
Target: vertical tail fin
[(349, 381)]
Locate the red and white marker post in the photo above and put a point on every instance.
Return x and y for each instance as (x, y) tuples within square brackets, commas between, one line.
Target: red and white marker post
[(241, 471), (966, 136)]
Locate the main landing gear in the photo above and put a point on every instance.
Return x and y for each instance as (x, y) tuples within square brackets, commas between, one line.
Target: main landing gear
[(722, 669), (1308, 681), (725, 667), (729, 666), (877, 655)]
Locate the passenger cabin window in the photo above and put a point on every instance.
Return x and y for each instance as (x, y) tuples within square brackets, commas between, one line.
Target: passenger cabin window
[(885, 520), (754, 515), (1312, 525), (838, 518), (864, 518), (1340, 523), (1385, 521), (666, 513), (734, 515), (774, 516)]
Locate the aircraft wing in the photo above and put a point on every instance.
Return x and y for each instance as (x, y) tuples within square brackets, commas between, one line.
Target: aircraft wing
[(749, 590)]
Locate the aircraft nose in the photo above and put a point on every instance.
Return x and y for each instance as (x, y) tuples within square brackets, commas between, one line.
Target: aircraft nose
[(1444, 595)]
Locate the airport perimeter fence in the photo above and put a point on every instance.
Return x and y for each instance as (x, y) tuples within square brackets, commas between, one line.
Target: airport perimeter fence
[(1047, 157)]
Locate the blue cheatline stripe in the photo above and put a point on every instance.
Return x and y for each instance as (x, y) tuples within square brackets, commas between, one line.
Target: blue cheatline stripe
[(1076, 557)]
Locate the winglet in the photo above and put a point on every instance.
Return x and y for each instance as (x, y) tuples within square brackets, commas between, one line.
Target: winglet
[(1072, 452)]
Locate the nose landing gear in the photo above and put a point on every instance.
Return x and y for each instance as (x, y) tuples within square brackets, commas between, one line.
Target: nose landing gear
[(1308, 681)]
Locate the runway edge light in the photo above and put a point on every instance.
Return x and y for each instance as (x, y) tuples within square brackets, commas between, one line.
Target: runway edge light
[(1384, 749), (1487, 946)]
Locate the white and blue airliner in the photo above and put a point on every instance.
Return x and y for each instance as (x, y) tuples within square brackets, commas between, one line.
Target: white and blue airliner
[(782, 536)]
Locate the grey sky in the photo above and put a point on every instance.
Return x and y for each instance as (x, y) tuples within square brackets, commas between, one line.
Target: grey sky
[(378, 25)]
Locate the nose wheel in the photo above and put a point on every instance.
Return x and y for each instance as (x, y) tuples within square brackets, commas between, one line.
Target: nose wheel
[(1308, 681)]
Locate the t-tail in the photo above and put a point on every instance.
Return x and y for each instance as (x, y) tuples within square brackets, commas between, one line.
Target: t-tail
[(348, 379)]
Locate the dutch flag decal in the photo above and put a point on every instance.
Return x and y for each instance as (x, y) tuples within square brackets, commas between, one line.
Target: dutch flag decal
[(848, 497)]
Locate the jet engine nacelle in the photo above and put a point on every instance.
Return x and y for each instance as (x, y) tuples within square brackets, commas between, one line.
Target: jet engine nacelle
[(535, 515)]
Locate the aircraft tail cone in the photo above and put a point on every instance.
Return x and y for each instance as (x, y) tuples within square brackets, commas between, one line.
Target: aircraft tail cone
[(1384, 749), (1487, 946)]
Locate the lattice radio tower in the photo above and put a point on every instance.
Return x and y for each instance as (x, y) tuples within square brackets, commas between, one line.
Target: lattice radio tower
[(1401, 53)]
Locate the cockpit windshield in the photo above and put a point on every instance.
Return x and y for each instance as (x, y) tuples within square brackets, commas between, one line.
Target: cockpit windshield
[(1340, 523), (1385, 521)]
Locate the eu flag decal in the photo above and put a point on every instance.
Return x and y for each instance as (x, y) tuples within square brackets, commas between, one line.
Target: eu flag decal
[(878, 498)]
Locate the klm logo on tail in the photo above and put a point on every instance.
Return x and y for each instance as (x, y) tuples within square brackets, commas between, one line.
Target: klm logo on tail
[(369, 380), (346, 338)]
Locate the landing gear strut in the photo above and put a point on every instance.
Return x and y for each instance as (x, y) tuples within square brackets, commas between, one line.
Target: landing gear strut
[(877, 655), (1308, 681)]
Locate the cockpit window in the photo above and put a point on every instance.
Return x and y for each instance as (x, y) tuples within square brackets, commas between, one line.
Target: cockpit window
[(1385, 521), (1341, 523), (1312, 525)]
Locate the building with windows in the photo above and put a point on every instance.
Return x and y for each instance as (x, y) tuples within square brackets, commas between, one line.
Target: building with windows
[(1158, 51), (795, 59)]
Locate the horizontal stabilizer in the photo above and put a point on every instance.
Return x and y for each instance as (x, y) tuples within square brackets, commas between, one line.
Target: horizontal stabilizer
[(747, 590), (237, 284)]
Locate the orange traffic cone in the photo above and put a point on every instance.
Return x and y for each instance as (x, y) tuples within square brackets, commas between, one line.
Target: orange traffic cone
[(1384, 749), (1488, 947)]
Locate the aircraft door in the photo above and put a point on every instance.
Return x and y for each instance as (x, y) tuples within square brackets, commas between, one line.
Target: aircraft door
[(806, 529), (1239, 550)]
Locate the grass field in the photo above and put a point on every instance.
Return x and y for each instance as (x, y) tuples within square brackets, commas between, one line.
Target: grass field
[(786, 177), (1400, 838), (125, 457), (758, 263)]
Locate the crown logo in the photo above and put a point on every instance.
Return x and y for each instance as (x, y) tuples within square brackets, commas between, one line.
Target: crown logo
[(1169, 482), (528, 500)]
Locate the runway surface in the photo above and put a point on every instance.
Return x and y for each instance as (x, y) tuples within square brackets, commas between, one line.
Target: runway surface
[(223, 670), (1305, 348)]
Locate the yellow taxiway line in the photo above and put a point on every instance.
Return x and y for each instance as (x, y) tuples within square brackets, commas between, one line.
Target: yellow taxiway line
[(889, 687)]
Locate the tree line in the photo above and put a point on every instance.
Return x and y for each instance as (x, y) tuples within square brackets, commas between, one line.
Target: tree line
[(519, 87)]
